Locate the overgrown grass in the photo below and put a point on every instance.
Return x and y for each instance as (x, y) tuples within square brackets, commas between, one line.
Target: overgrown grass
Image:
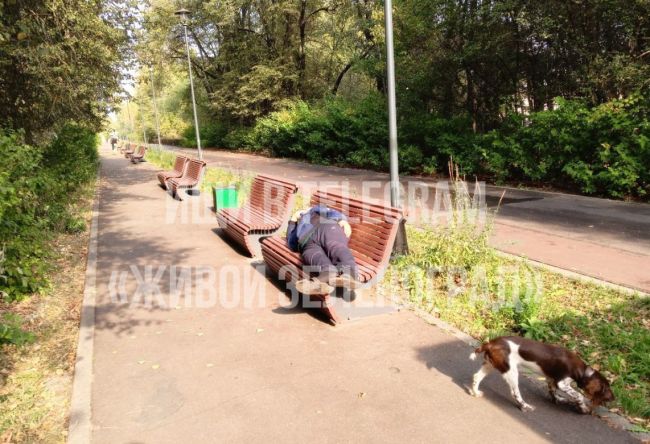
[(220, 177), (161, 158), (453, 273)]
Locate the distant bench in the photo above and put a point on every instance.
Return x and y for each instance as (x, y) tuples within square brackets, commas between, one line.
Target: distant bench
[(138, 155), (190, 179), (177, 171), (374, 228), (127, 149), (265, 214)]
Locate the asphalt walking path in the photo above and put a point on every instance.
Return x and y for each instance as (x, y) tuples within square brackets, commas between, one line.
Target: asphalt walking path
[(239, 366), (601, 238)]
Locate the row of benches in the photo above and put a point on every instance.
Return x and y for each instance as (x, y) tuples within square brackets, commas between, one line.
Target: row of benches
[(186, 175), (133, 152), (256, 225)]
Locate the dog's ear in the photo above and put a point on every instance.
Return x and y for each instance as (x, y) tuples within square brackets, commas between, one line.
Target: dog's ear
[(589, 372)]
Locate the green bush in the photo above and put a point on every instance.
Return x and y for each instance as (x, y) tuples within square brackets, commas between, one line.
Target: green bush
[(411, 159), (239, 138), (212, 135), (72, 158), (23, 233), (11, 330), (336, 132), (601, 151), (441, 139), (36, 185)]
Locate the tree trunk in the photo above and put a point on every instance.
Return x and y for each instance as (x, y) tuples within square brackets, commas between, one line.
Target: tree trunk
[(302, 56)]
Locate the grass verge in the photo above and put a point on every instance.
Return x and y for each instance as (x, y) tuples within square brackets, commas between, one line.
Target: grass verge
[(36, 378), (453, 273)]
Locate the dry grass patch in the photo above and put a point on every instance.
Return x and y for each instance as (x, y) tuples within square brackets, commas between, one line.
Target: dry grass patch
[(36, 379)]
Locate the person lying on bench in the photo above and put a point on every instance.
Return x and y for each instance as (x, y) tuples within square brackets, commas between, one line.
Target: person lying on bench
[(321, 235)]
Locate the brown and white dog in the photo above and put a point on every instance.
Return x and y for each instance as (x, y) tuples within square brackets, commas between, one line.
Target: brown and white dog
[(559, 365)]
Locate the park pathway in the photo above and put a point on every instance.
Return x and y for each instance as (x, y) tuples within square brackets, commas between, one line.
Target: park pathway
[(246, 369), (601, 238)]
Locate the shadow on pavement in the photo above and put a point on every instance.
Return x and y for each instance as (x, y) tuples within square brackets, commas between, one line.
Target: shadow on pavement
[(452, 359)]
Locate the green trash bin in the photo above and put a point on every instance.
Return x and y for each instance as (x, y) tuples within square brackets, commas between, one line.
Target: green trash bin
[(225, 197)]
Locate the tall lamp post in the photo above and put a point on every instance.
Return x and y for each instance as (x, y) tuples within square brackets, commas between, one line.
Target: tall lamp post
[(392, 107), (128, 111), (155, 104), (183, 14), (144, 128), (401, 246)]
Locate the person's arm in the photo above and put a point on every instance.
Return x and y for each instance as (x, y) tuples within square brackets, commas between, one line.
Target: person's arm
[(292, 230), (297, 215), (346, 227), (341, 219)]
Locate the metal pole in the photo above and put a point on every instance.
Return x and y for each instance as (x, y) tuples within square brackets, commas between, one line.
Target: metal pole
[(128, 110), (392, 108), (144, 129), (401, 244), (196, 119), (155, 105)]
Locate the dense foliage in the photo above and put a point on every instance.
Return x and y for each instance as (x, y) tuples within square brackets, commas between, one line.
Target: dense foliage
[(59, 61), (603, 150), (542, 92), (36, 185)]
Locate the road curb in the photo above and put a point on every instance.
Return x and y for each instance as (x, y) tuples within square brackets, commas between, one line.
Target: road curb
[(573, 274), (79, 429)]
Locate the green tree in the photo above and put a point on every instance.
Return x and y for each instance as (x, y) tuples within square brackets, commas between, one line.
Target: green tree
[(59, 61)]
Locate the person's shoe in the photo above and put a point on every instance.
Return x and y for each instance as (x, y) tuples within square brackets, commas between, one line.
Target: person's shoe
[(313, 286), (345, 281)]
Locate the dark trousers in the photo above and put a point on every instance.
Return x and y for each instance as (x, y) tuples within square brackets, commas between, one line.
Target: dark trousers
[(327, 252)]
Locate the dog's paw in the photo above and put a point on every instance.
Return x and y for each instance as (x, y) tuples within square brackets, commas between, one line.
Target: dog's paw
[(526, 407), (476, 393), (584, 409)]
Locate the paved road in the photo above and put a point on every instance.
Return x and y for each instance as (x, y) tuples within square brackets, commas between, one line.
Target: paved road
[(201, 370), (602, 238)]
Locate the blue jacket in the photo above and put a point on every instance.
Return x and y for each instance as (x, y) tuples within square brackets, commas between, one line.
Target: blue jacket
[(298, 233)]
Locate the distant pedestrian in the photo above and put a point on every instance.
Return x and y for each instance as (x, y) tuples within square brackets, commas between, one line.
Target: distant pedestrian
[(113, 139)]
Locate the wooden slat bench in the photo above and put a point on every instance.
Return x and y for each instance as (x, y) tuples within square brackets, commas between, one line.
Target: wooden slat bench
[(177, 171), (138, 155), (374, 227), (190, 180), (265, 214), (129, 148)]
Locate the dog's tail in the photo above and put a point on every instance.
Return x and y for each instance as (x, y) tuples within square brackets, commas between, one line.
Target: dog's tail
[(477, 352)]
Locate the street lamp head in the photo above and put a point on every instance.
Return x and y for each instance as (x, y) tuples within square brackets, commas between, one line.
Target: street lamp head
[(184, 15)]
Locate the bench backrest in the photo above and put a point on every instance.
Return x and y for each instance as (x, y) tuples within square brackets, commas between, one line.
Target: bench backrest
[(271, 195), (179, 164), (141, 150), (194, 169), (374, 226)]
